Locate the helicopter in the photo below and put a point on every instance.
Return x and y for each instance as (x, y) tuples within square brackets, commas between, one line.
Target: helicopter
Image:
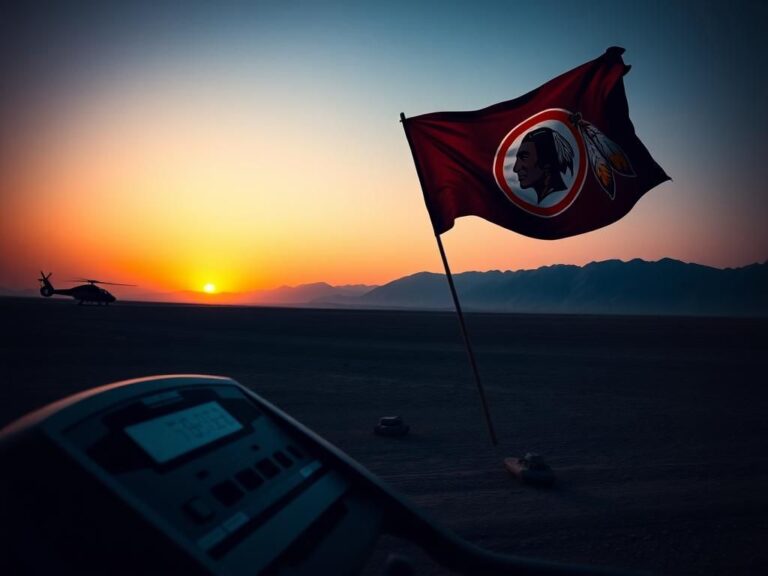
[(88, 292)]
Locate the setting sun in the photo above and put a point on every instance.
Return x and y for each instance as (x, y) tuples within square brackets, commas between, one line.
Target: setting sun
[(209, 288)]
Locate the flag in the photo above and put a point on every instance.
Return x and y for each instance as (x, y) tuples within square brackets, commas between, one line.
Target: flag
[(561, 160)]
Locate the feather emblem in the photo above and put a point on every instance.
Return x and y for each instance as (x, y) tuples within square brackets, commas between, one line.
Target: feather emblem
[(605, 156)]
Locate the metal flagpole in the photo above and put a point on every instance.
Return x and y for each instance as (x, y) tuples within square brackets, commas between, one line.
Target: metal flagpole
[(454, 295)]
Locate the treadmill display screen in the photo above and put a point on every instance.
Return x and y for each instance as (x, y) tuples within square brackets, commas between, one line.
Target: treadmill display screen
[(178, 433)]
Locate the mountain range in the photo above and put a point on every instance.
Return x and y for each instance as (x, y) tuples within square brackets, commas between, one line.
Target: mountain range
[(609, 287)]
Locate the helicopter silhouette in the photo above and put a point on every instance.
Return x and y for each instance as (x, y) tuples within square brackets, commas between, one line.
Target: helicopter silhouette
[(84, 293)]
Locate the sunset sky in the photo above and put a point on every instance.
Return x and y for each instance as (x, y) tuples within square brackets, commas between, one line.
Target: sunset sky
[(257, 144)]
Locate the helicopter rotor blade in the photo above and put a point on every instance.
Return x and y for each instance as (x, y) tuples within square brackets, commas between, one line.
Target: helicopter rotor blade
[(92, 281)]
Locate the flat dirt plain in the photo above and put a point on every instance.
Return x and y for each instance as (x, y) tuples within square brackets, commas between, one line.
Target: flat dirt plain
[(657, 427)]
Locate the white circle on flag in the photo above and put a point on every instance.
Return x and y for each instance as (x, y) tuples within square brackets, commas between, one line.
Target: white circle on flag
[(560, 146)]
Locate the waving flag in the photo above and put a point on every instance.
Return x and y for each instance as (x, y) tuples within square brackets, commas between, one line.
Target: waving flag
[(561, 160)]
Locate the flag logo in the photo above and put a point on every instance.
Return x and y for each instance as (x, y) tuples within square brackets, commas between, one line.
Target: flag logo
[(541, 164), (561, 160)]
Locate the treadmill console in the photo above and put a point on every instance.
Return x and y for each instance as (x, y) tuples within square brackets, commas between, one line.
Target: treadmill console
[(206, 468), (199, 475)]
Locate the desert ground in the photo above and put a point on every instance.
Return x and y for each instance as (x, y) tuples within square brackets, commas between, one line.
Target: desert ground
[(657, 427)]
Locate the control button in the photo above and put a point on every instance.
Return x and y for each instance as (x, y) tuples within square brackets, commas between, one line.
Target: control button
[(283, 459), (212, 538), (249, 479), (267, 467), (296, 452), (199, 510), (227, 492), (235, 522), (310, 469)]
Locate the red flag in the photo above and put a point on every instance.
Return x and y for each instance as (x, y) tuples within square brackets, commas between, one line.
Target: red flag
[(561, 160)]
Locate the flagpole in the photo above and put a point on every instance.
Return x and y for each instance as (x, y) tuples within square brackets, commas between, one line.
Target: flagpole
[(454, 295)]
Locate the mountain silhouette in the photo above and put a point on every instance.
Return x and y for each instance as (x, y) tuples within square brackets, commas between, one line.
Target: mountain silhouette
[(610, 287)]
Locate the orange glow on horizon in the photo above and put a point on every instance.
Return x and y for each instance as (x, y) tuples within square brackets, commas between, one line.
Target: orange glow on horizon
[(158, 180)]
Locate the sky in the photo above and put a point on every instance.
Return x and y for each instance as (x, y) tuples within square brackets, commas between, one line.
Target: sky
[(257, 144)]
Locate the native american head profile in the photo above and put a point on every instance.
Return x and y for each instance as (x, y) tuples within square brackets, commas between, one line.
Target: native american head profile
[(542, 157)]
